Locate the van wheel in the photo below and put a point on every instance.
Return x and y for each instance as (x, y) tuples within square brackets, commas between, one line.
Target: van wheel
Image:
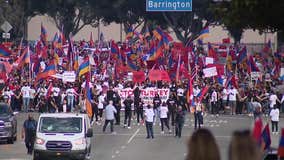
[(10, 140)]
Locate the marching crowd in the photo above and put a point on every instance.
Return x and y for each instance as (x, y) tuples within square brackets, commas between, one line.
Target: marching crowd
[(55, 96)]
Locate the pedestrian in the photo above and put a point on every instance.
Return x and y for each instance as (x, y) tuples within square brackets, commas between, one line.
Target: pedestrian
[(164, 117), (233, 93), (156, 102), (214, 101), (109, 116), (128, 112), (149, 119), (25, 92), (29, 133), (274, 116), (172, 106), (198, 115), (243, 147), (139, 111), (101, 102), (179, 121), (202, 146), (117, 104), (70, 92)]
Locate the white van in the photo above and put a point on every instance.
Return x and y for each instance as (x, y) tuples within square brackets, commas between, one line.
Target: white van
[(61, 135)]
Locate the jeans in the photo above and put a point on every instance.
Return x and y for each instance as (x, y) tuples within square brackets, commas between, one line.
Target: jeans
[(106, 123), (179, 126), (127, 117), (198, 119), (233, 105), (26, 103), (157, 114), (139, 114), (249, 107), (274, 126), (149, 128), (70, 102), (29, 142), (164, 121)]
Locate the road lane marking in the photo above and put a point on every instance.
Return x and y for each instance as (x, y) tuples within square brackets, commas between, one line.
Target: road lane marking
[(131, 138)]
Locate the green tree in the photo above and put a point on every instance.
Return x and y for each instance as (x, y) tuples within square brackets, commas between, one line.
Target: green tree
[(73, 15)]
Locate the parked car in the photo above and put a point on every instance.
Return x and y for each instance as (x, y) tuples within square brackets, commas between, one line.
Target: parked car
[(8, 123)]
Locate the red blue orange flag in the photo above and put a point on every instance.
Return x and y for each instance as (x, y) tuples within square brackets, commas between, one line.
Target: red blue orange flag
[(281, 145), (4, 52)]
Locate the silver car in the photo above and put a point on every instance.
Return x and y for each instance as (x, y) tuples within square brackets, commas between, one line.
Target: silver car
[(8, 124)]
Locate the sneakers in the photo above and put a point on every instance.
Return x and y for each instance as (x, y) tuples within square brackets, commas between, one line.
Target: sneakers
[(129, 127), (170, 131), (114, 133), (162, 132)]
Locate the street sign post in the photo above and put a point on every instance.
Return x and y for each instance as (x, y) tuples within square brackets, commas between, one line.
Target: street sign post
[(6, 27)]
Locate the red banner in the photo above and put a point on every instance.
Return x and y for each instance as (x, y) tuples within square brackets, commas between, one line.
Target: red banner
[(159, 75), (138, 76)]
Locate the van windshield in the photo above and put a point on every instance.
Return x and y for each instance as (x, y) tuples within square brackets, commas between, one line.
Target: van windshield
[(60, 125)]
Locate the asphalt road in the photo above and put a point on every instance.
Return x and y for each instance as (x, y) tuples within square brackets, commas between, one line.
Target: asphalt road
[(130, 144)]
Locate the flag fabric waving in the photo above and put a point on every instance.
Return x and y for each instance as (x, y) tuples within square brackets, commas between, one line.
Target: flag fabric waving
[(281, 145), (88, 98), (84, 68), (265, 138), (204, 33), (43, 35), (4, 52)]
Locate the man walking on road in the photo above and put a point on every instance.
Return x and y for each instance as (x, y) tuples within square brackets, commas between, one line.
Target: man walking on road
[(29, 133), (149, 118), (109, 112)]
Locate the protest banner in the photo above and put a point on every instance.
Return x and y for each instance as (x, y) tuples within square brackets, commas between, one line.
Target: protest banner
[(147, 94), (210, 72)]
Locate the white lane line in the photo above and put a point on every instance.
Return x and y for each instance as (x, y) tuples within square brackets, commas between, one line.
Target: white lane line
[(131, 138)]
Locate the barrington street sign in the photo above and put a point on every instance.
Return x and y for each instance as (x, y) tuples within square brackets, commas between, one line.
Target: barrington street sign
[(168, 5)]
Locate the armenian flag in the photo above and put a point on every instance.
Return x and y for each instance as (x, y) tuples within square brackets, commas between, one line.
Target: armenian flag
[(147, 32), (265, 138), (25, 58), (91, 42), (84, 68), (130, 33), (242, 55), (204, 33), (88, 99), (76, 62), (158, 33), (49, 71), (4, 52), (43, 35), (281, 145), (114, 48)]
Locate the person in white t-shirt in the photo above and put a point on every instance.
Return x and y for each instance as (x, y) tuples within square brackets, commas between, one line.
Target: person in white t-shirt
[(56, 94), (164, 117), (149, 119), (7, 94), (233, 93), (273, 99), (224, 97), (101, 100), (25, 92), (70, 92), (274, 115)]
